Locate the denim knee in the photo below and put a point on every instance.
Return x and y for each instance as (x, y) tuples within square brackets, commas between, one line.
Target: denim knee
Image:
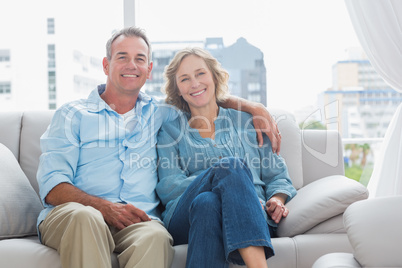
[(205, 204)]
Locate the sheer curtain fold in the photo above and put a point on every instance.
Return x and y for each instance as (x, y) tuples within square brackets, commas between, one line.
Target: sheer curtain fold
[(378, 25)]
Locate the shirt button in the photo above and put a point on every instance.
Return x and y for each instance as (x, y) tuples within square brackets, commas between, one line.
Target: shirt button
[(214, 145)]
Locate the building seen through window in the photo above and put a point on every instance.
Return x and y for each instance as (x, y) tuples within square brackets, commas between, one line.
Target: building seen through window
[(366, 102), (243, 61)]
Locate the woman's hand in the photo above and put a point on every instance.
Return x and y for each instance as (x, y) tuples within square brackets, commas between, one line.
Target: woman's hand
[(276, 209)]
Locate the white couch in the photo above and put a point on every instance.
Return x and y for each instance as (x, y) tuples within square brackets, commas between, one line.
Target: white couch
[(374, 231), (313, 228)]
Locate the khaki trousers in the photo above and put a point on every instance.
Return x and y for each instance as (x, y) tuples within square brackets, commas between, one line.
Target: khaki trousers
[(83, 239)]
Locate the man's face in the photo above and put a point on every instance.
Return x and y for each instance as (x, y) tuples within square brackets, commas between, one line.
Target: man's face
[(128, 69)]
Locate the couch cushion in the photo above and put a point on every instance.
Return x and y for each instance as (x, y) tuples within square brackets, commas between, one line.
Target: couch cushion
[(27, 252), (291, 149), (337, 260), (322, 154), (320, 201), (333, 225), (19, 204), (311, 247), (34, 124), (374, 230), (10, 131)]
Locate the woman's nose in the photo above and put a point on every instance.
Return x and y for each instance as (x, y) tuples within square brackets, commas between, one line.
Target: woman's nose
[(195, 83)]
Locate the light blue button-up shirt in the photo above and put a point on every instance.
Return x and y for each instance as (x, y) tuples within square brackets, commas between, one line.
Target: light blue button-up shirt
[(103, 153), (184, 154)]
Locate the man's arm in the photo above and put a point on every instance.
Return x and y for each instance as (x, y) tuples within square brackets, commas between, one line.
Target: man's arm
[(262, 119), (115, 214), (60, 147)]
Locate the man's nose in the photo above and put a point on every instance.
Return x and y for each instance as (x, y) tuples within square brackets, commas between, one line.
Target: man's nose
[(132, 64)]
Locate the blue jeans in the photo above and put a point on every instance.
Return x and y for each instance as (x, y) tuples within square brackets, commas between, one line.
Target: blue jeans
[(219, 213)]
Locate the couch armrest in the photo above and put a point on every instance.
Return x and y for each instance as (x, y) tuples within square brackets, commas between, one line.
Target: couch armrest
[(319, 201), (322, 154), (336, 260), (374, 231)]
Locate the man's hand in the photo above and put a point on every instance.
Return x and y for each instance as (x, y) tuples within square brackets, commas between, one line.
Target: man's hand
[(264, 123), (115, 214), (276, 208), (123, 215)]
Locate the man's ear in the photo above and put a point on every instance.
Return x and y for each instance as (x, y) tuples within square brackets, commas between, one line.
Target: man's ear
[(105, 64), (150, 65)]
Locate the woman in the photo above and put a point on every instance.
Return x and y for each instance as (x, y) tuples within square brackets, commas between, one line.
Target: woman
[(214, 180)]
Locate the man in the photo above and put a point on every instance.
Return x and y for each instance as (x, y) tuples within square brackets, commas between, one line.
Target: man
[(97, 173)]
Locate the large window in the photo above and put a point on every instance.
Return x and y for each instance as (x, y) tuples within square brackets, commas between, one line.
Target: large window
[(303, 55), (50, 26), (4, 55), (5, 88)]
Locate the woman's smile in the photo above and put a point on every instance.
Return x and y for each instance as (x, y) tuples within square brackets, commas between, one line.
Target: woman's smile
[(198, 93)]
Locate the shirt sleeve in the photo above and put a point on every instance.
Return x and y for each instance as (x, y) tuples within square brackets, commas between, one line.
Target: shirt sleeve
[(273, 170), (168, 112), (173, 177), (274, 173), (60, 152)]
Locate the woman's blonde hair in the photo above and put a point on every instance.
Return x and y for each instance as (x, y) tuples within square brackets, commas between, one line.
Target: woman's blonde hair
[(220, 77)]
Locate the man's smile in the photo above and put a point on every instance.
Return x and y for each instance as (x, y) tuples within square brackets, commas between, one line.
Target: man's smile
[(130, 75)]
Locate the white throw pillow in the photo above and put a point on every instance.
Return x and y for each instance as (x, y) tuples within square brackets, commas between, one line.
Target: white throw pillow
[(19, 203), (319, 201)]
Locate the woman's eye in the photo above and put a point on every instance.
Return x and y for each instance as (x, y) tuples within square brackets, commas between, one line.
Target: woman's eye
[(184, 79)]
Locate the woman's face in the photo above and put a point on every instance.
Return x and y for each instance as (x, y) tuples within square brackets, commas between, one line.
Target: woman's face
[(195, 82)]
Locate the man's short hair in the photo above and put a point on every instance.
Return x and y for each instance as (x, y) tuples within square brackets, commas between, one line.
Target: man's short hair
[(128, 32)]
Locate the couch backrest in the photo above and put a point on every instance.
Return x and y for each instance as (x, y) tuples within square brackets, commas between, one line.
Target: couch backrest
[(291, 149), (322, 153), (20, 132), (10, 129), (34, 124)]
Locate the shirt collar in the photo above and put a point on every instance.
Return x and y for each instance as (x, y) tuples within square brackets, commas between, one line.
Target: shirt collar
[(97, 104)]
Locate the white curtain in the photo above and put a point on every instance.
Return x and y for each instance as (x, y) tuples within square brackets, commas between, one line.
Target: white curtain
[(378, 25)]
